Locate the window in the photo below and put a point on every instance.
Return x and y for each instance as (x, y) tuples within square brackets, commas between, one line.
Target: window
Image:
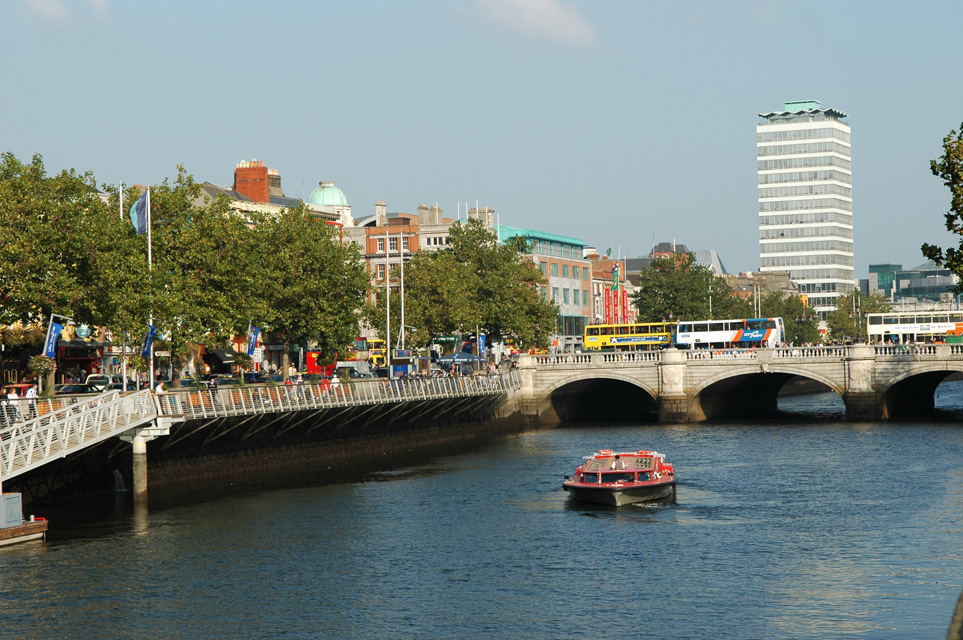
[(542, 265), (554, 268), (585, 297), (585, 273), (381, 245), (392, 244), (544, 294), (565, 296), (575, 273), (381, 272), (404, 243), (575, 296), (564, 270), (554, 294)]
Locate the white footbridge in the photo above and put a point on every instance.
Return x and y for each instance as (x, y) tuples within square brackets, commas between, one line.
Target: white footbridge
[(36, 431)]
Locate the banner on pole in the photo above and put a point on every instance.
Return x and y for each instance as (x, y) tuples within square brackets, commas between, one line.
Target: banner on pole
[(145, 348), (53, 334), (252, 340)]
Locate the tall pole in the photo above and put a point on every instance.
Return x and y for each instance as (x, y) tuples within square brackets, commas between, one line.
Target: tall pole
[(401, 249), (387, 300), (150, 267)]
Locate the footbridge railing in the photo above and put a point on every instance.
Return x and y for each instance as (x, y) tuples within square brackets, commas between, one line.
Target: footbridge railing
[(235, 401), (81, 421)]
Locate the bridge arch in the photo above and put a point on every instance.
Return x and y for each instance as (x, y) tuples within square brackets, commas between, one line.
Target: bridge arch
[(912, 391), (606, 395), (735, 393)]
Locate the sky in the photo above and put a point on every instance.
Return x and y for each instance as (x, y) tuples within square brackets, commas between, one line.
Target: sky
[(614, 122)]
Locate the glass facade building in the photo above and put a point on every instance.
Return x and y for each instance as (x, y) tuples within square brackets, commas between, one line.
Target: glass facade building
[(804, 169)]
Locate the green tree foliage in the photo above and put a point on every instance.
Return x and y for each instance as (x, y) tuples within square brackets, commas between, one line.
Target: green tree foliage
[(842, 320), (677, 288), (61, 249), (949, 168), (476, 282), (310, 284), (802, 323)]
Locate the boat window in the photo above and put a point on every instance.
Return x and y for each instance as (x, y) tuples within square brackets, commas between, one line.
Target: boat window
[(618, 477), (644, 477), (591, 478)]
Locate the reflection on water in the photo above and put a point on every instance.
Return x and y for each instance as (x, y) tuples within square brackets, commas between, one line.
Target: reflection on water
[(810, 527)]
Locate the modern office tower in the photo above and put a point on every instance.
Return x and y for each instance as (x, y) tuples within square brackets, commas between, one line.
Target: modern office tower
[(806, 200)]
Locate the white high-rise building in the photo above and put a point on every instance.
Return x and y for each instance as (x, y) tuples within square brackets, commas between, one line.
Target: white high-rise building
[(806, 200)]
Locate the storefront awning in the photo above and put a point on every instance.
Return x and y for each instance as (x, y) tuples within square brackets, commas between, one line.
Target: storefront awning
[(226, 356)]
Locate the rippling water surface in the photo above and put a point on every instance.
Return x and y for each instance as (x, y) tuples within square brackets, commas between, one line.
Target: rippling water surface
[(809, 527)]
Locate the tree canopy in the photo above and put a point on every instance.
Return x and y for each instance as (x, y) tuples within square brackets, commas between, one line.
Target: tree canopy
[(949, 168), (676, 288), (842, 320), (68, 249), (474, 282)]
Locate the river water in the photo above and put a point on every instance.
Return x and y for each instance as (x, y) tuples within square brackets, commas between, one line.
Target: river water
[(803, 527)]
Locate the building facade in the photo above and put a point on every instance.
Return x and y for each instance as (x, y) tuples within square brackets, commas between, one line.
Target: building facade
[(569, 275), (806, 200)]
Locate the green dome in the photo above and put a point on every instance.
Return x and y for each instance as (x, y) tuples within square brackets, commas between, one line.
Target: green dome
[(327, 194)]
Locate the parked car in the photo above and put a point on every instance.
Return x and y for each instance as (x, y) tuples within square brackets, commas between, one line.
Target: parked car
[(105, 381), (69, 389), (19, 387), (255, 377)]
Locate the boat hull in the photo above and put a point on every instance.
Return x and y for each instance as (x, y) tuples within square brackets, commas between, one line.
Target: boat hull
[(618, 496)]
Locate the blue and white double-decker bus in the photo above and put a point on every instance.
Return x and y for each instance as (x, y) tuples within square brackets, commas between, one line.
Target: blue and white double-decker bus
[(730, 334)]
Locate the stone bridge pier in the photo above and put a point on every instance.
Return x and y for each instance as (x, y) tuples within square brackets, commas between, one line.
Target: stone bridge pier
[(673, 386)]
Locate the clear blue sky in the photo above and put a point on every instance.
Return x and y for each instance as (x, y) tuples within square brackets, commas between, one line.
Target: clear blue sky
[(606, 121)]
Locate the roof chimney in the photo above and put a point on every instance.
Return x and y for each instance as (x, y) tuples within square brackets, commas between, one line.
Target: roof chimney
[(251, 180), (422, 214), (381, 214)]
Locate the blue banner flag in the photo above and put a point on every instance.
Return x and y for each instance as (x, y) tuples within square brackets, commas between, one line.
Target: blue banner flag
[(138, 214), (252, 340), (53, 334), (145, 349), (481, 345)]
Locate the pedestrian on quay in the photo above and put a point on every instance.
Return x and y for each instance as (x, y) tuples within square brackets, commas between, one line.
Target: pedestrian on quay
[(31, 396)]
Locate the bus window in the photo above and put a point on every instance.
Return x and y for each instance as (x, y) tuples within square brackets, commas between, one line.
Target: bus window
[(717, 326), (625, 330), (657, 328), (755, 324), (685, 328), (876, 319), (942, 318), (591, 331), (956, 317), (923, 319), (606, 331), (702, 326), (888, 319)]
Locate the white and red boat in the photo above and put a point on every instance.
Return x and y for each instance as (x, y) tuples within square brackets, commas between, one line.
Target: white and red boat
[(618, 478)]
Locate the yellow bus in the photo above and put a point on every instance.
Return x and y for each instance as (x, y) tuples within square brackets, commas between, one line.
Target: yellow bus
[(372, 350), (628, 337)]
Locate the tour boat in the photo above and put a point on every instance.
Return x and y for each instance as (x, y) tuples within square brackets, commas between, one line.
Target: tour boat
[(619, 478)]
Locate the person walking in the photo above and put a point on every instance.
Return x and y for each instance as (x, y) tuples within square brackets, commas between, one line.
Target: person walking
[(31, 396)]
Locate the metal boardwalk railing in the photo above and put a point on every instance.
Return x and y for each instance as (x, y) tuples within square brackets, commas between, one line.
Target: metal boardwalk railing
[(31, 437), (235, 401)]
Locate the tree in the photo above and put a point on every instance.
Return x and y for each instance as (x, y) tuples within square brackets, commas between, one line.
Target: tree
[(476, 282), (676, 288), (801, 322), (842, 320), (311, 285), (949, 167)]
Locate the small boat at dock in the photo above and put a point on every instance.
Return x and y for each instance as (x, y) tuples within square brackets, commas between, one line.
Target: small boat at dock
[(13, 527), (620, 478)]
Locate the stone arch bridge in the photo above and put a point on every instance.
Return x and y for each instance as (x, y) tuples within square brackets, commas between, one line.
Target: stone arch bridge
[(875, 382)]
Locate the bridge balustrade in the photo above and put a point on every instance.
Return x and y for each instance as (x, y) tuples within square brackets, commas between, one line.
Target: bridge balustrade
[(22, 409), (817, 352)]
